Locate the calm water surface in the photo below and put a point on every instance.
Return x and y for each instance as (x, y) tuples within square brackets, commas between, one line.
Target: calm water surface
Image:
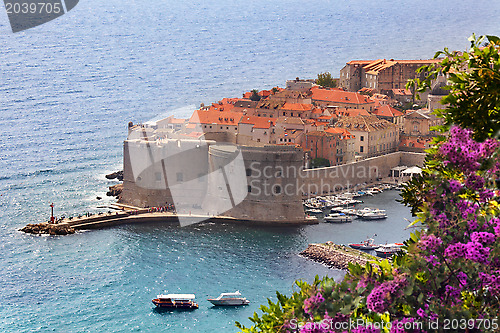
[(70, 87)]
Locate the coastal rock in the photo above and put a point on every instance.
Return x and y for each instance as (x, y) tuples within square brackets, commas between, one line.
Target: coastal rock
[(46, 228), (116, 175), (115, 190), (333, 256)]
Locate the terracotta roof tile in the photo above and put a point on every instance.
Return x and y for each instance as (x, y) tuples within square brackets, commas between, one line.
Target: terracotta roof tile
[(351, 112), (339, 96), (387, 111), (297, 107), (363, 123), (258, 122), (215, 117)]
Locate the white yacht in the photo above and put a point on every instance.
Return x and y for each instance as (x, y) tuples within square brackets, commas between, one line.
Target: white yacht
[(229, 299)]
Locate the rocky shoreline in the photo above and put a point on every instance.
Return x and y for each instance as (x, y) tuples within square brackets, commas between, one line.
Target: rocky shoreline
[(115, 175), (336, 256), (48, 228)]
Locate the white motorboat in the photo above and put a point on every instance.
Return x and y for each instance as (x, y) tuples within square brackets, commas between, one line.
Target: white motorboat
[(374, 216), (337, 218), (314, 211), (371, 213), (388, 250), (229, 299)]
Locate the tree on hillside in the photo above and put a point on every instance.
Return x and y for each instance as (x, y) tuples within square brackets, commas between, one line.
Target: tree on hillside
[(448, 279), (255, 95), (326, 80)]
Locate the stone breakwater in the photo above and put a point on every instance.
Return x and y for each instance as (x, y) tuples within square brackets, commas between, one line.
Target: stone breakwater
[(47, 228), (336, 256)]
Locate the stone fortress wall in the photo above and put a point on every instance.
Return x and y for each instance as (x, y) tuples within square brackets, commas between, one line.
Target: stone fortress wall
[(346, 176), (259, 184)]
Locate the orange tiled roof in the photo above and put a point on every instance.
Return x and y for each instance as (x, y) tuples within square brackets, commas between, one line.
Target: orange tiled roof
[(351, 112), (220, 107), (339, 96), (420, 61), (378, 65), (258, 122), (229, 100), (344, 134), (387, 111), (321, 133), (414, 142), (215, 117), (404, 92), (363, 123), (290, 120), (297, 107), (359, 62)]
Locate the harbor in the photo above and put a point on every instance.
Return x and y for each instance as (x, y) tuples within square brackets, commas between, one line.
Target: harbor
[(335, 208)]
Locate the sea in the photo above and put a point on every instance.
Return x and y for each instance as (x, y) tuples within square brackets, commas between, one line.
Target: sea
[(68, 89)]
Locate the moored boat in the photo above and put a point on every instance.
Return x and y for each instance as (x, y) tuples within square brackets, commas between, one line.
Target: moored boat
[(229, 299), (175, 301), (337, 218), (368, 244), (374, 216), (371, 214), (314, 211), (388, 250)]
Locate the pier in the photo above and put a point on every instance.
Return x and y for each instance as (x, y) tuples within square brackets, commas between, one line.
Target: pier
[(127, 214)]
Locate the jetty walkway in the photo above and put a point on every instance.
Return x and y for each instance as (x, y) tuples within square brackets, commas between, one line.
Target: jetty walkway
[(127, 214)]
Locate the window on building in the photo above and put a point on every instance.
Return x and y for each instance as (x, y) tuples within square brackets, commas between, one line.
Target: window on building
[(180, 176), (361, 138), (249, 172), (249, 189), (158, 176), (361, 149)]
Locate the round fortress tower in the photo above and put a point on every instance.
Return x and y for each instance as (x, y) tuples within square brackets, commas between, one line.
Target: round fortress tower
[(267, 191)]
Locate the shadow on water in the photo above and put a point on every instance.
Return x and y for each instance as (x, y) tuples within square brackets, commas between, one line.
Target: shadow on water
[(164, 311)]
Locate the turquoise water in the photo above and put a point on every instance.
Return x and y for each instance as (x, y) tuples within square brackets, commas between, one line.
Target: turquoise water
[(70, 87)]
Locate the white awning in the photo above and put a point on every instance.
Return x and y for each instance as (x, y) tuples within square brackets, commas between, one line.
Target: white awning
[(412, 171)]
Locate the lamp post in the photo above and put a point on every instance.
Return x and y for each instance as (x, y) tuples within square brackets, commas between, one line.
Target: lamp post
[(52, 213)]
